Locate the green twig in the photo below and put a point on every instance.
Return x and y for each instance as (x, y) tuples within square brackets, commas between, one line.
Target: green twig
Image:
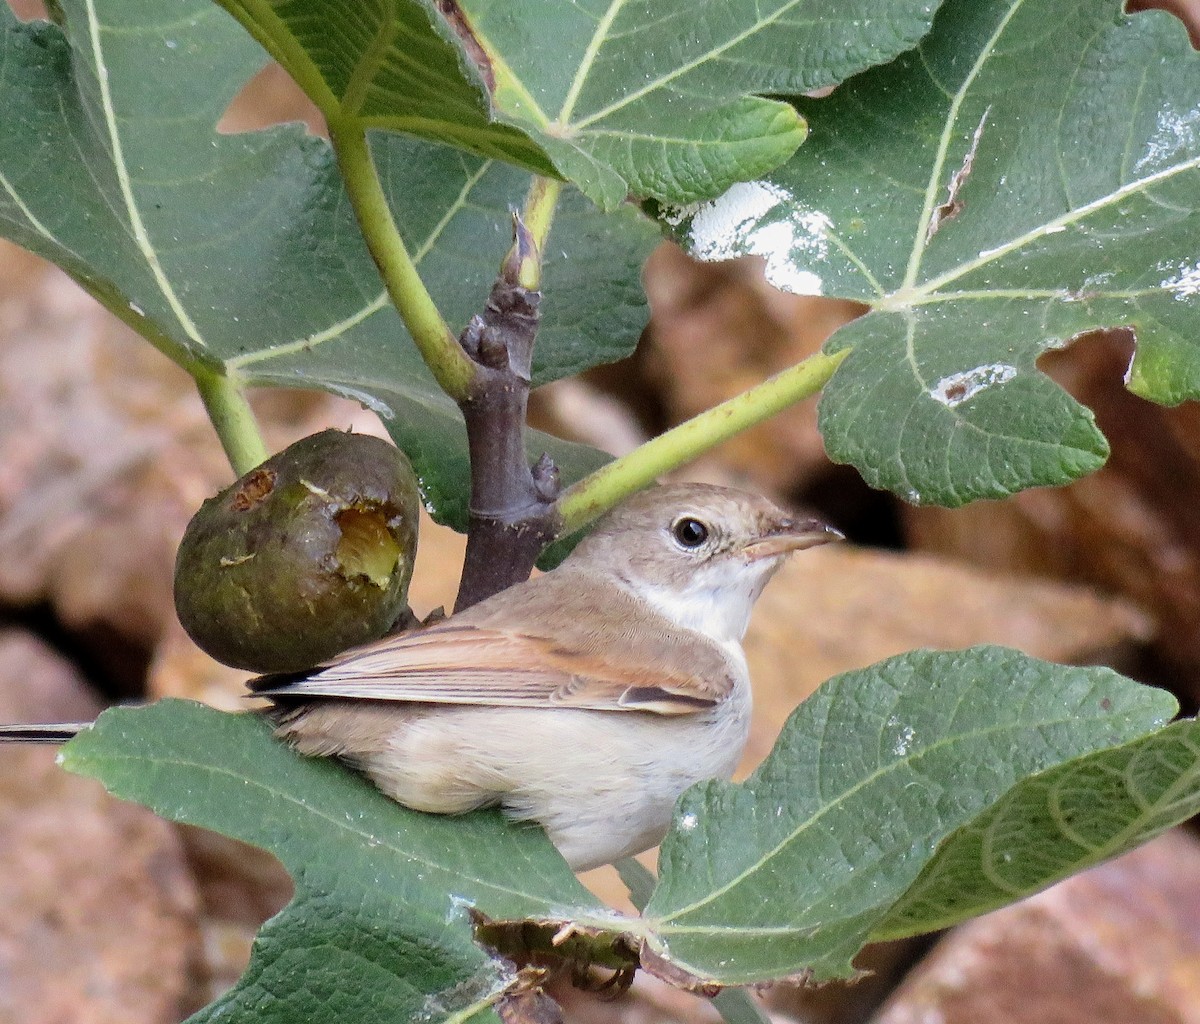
[(538, 216), (438, 346), (597, 493), (232, 418)]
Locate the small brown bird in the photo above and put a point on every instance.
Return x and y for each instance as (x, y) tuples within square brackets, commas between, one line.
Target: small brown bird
[(586, 699)]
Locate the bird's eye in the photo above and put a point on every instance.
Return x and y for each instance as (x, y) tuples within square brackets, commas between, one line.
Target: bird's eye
[(689, 532)]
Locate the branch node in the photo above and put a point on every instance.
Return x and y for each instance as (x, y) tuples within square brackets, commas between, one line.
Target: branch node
[(493, 348), (545, 478), (469, 339)]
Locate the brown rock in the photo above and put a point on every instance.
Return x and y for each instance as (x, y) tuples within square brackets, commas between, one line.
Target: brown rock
[(649, 1001), (27, 10), (239, 887), (99, 918), (839, 608), (270, 97), (1114, 945), (578, 411), (105, 453), (180, 669), (884, 965), (36, 685)]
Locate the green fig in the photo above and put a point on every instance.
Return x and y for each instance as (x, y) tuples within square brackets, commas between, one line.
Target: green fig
[(304, 556)]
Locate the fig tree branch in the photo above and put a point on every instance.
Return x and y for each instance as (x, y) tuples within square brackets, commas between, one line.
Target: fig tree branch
[(486, 370), (512, 512)]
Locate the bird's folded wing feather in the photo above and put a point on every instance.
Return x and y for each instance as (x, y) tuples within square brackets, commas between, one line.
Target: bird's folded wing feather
[(470, 664)]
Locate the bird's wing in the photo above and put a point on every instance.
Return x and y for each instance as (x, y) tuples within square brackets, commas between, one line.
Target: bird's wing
[(457, 663)]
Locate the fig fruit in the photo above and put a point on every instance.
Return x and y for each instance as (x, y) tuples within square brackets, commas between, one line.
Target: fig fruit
[(304, 556)]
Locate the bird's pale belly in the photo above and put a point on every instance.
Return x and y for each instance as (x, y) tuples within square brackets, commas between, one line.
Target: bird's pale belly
[(606, 781)]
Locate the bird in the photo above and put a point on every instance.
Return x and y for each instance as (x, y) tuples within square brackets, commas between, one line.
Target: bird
[(585, 699)]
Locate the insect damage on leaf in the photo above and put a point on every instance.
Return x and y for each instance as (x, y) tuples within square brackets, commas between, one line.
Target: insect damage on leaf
[(457, 20), (953, 205), (597, 957)]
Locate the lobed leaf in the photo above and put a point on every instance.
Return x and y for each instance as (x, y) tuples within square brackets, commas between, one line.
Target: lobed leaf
[(1030, 172), (242, 252), (379, 927), (792, 871), (658, 100)]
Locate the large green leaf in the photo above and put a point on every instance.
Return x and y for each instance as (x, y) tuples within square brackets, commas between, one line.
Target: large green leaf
[(899, 798), (794, 869), (379, 927), (649, 99), (242, 252), (1030, 172)]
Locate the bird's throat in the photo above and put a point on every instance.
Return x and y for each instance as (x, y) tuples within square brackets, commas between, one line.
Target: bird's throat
[(709, 604)]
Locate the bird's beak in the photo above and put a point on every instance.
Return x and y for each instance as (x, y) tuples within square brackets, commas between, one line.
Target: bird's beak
[(792, 535)]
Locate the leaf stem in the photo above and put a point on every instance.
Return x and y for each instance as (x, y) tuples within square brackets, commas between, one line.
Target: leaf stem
[(736, 1007), (439, 348), (540, 204), (596, 493), (638, 879), (232, 418)]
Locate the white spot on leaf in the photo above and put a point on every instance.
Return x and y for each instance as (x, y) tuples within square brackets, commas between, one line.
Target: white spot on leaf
[(957, 388), (733, 225), (1175, 133), (460, 908), (1186, 282), (953, 206), (716, 224), (904, 741), (688, 822), (377, 406)]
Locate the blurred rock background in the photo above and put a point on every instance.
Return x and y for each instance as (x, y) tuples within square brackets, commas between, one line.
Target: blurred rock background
[(105, 451)]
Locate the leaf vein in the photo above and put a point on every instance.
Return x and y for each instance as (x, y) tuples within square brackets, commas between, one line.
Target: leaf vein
[(339, 823), (934, 184), (686, 67), (589, 59), (137, 226), (36, 224)]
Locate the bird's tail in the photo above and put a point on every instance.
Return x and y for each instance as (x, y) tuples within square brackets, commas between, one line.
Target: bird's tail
[(59, 732)]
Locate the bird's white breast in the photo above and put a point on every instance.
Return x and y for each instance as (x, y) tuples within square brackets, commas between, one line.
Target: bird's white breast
[(602, 783)]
